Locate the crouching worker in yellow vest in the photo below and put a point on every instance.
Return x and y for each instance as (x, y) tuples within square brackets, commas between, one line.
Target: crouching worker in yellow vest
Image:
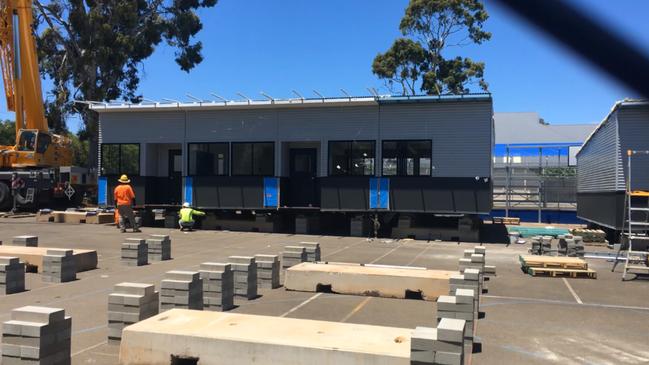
[(187, 217)]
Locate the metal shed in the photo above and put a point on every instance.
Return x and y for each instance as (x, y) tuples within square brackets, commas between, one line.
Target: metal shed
[(602, 168), (353, 154)]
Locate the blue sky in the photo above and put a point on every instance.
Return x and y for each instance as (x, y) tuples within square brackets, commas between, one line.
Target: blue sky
[(276, 46)]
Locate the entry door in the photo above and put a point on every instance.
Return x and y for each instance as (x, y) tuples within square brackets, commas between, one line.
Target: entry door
[(175, 176), (302, 177)]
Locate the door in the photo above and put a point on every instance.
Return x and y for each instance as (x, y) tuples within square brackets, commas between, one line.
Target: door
[(175, 177), (302, 177)]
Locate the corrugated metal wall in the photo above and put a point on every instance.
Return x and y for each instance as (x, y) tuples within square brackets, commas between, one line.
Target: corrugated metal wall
[(634, 135), (461, 131), (599, 160)]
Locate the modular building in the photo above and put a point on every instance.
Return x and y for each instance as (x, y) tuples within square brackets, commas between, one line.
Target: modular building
[(356, 157), (602, 164)]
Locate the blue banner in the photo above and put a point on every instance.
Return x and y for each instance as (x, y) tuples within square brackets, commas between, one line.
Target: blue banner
[(189, 190), (102, 191), (379, 193), (271, 192)]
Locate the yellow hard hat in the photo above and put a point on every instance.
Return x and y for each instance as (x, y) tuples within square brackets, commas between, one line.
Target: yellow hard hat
[(124, 179)]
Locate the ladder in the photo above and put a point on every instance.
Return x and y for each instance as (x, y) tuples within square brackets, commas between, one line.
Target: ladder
[(634, 240)]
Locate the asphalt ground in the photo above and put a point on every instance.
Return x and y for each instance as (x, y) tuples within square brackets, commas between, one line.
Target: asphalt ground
[(528, 320)]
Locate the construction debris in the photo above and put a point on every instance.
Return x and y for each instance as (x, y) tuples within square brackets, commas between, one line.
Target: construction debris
[(130, 303), (218, 286), (267, 271), (293, 255), (37, 335), (59, 266), (590, 235), (181, 289), (12, 275), (245, 276), (159, 247), (135, 252), (25, 241)]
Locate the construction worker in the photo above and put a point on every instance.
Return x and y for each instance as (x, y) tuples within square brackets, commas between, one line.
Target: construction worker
[(124, 198), (187, 217)]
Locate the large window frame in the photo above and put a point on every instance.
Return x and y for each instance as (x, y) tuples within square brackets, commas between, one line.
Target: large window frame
[(120, 166), (252, 158), (227, 159), (402, 157), (350, 157)]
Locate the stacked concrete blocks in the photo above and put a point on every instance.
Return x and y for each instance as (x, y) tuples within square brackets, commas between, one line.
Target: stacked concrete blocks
[(135, 252), (159, 247), (293, 255), (130, 303), (470, 279), (571, 246), (312, 251), (26, 241), (541, 245), (37, 335), (267, 271), (459, 306), (218, 286), (443, 345), (245, 276), (12, 275), (59, 266), (181, 289)]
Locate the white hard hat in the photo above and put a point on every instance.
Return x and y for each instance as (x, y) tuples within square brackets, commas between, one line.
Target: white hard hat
[(186, 205)]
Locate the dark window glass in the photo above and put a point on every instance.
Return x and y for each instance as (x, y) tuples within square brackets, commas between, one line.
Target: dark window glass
[(119, 159), (256, 159), (208, 159), (43, 142), (351, 158), (110, 159), (407, 158)]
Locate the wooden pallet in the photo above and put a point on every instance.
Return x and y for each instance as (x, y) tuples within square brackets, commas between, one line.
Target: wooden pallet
[(506, 220), (557, 262), (554, 272)]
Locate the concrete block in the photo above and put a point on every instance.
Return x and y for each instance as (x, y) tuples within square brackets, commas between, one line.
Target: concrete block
[(451, 330), (215, 266), (182, 275), (27, 241), (58, 252), (246, 260)]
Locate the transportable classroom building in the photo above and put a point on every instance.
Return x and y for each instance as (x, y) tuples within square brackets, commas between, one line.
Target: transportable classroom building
[(304, 157), (602, 164)]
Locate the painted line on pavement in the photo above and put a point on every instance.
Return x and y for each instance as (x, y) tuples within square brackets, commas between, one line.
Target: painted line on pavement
[(572, 291), (356, 309), (302, 304)]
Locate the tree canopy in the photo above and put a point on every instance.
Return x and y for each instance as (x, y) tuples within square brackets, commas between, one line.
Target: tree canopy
[(416, 61), (7, 133), (93, 50)]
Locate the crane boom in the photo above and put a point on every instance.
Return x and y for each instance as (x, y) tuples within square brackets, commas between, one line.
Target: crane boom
[(19, 60)]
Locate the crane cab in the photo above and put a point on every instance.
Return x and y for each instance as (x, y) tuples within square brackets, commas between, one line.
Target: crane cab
[(35, 148)]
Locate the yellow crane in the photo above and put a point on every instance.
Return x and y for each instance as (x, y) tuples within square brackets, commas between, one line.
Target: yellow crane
[(37, 151)]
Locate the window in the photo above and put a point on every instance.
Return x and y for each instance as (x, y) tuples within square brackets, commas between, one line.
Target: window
[(256, 159), (208, 159), (351, 158), (407, 158), (119, 159)]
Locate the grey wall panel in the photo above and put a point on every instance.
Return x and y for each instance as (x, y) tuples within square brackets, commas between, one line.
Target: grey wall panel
[(232, 125), (461, 133), (603, 208), (599, 160), (142, 127), (634, 135)]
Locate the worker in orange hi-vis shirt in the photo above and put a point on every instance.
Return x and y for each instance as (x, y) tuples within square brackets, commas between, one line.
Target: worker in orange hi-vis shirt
[(124, 198)]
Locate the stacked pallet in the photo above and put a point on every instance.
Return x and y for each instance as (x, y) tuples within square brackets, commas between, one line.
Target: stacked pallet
[(181, 289), (135, 252), (59, 266), (128, 304), (556, 266), (590, 235), (293, 255), (267, 271), (37, 335), (218, 286), (245, 276), (159, 247), (12, 275)]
